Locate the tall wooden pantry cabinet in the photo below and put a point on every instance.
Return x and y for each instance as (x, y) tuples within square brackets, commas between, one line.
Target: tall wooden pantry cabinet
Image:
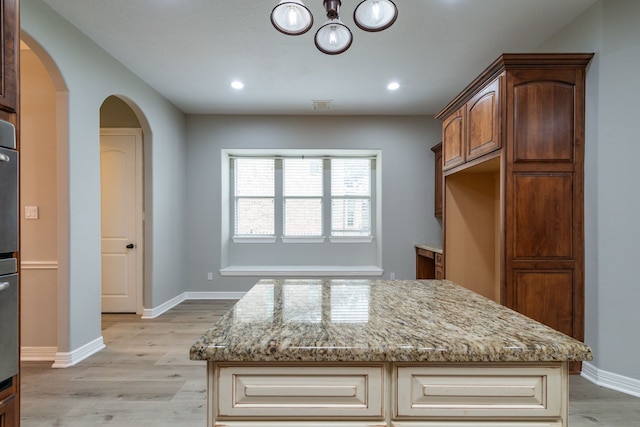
[(513, 170), (9, 305)]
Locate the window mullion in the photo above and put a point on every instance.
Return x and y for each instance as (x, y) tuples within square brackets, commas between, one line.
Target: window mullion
[(279, 198), (326, 197)]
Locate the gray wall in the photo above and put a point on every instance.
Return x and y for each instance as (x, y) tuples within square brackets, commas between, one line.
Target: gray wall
[(407, 181), (612, 191), (85, 77)]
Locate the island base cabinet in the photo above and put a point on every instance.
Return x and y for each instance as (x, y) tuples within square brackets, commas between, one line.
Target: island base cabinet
[(387, 394)]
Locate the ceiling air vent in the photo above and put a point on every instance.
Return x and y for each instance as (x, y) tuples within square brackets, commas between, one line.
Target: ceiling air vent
[(322, 105)]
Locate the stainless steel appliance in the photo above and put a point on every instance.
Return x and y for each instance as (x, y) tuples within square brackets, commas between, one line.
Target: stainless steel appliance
[(8, 319), (8, 247)]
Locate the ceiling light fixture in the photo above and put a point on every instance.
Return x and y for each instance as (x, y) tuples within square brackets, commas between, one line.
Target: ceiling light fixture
[(293, 18), (237, 84)]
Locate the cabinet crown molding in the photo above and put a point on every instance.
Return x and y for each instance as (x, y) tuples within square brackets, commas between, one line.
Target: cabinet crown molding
[(512, 61)]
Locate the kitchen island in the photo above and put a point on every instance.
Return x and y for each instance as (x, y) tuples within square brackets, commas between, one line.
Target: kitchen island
[(363, 353)]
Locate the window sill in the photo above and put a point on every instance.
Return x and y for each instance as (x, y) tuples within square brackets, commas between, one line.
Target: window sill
[(302, 271), (303, 239), (351, 239), (254, 239)]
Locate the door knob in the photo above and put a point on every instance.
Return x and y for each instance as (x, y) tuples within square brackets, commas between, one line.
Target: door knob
[(131, 246)]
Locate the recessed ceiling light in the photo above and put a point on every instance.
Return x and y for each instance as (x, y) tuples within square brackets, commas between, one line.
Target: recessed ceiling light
[(237, 84), (393, 86)]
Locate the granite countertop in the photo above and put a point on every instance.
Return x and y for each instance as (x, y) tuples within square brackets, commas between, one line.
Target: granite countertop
[(378, 320), (429, 247)]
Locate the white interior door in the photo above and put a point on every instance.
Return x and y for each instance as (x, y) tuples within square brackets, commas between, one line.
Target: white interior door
[(121, 209)]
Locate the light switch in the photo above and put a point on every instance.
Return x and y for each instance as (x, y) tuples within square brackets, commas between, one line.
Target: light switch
[(31, 212)]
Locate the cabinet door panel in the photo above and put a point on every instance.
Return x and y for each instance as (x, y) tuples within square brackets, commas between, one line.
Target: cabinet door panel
[(544, 122), (8, 56), (8, 412), (453, 140), (543, 209), (546, 296), (483, 121)]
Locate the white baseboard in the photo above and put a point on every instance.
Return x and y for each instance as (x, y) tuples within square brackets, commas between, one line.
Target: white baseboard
[(610, 380), (38, 354), (66, 360), (152, 313)]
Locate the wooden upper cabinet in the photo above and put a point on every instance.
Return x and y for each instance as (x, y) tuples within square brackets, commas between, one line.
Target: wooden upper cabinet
[(483, 121), (438, 182), (523, 119), (453, 133), (9, 55), (474, 129)]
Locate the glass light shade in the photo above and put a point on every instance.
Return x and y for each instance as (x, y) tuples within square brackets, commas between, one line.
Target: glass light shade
[(375, 15), (333, 37), (291, 17)]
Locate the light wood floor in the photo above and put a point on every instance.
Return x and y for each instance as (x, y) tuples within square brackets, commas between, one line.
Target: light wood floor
[(145, 378)]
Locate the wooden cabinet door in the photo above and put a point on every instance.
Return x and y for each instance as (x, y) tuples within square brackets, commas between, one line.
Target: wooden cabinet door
[(437, 191), (453, 139), (8, 412), (483, 132), (9, 55)]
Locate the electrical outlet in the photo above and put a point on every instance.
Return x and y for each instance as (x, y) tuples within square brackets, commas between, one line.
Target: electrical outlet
[(209, 276), (392, 276)]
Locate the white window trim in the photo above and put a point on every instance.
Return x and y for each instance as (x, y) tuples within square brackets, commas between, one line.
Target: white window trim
[(228, 269)]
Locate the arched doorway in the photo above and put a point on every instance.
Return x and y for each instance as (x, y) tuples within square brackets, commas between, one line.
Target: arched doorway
[(44, 185), (122, 208), (45, 246)]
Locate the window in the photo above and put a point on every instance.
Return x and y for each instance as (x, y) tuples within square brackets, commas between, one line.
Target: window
[(350, 197), (298, 198), (254, 197), (302, 197)]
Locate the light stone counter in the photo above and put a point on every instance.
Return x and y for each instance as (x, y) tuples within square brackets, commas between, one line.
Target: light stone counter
[(429, 247), (363, 353), (368, 320)]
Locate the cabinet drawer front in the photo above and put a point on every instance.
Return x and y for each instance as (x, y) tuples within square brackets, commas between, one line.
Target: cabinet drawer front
[(425, 253), (480, 424), (300, 391), (438, 260), (429, 392)]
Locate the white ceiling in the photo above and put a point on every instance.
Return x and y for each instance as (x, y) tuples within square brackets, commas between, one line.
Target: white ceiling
[(191, 50)]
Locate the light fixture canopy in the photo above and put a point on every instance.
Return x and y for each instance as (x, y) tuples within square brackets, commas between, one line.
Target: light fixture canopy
[(291, 17), (333, 37), (375, 15)]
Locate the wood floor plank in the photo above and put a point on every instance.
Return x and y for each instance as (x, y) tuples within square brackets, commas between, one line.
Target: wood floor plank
[(144, 378)]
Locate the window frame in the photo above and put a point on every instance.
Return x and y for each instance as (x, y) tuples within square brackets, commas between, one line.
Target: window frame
[(326, 199)]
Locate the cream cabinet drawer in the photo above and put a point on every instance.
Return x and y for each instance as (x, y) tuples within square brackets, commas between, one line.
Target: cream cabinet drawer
[(480, 424), (478, 391), (295, 391)]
